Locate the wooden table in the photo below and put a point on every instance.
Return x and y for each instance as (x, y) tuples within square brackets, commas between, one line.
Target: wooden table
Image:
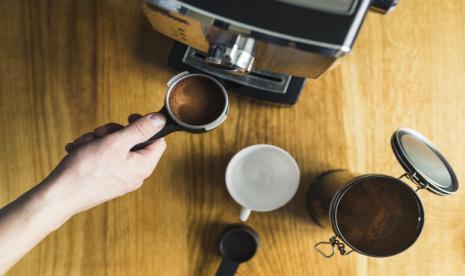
[(68, 66)]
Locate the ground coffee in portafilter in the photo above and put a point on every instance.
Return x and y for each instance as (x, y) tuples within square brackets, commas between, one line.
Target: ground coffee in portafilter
[(379, 216), (197, 101)]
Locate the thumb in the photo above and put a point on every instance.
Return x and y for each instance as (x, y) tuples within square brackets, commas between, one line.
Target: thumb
[(143, 129)]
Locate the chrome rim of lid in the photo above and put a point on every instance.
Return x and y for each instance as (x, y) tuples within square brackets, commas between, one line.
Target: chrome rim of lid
[(419, 156)]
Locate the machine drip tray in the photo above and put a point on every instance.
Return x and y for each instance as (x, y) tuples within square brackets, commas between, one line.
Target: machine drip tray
[(263, 85)]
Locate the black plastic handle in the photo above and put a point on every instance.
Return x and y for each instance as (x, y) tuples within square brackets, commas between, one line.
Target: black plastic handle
[(170, 126), (227, 267)]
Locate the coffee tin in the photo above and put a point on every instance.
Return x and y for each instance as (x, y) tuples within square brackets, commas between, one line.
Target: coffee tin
[(375, 214)]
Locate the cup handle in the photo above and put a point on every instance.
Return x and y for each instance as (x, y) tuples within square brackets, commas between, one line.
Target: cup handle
[(170, 126), (245, 213)]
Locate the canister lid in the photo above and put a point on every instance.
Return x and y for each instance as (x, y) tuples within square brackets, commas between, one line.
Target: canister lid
[(423, 162)]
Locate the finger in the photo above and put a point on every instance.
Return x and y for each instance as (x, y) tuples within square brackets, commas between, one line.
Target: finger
[(142, 129), (134, 117), (151, 154), (156, 148), (107, 129), (69, 147), (84, 139), (79, 141)]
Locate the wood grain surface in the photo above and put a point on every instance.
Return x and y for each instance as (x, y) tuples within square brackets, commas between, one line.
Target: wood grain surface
[(69, 66)]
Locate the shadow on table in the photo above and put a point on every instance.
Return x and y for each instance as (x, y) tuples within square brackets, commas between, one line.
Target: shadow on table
[(198, 179), (201, 187), (205, 234), (209, 256), (297, 209), (151, 46)]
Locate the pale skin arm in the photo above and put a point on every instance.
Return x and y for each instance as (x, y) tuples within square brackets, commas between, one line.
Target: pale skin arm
[(98, 168)]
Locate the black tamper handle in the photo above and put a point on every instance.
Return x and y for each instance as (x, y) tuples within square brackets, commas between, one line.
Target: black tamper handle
[(227, 267), (170, 126)]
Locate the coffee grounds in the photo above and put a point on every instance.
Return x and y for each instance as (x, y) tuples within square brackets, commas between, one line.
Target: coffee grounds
[(379, 216), (197, 101)]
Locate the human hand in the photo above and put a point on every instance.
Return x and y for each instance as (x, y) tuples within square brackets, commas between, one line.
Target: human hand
[(100, 165)]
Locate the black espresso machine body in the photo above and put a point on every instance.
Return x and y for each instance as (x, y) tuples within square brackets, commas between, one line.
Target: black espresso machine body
[(261, 48)]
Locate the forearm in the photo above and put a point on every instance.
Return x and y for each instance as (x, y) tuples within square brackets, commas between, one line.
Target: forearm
[(29, 219), (99, 167)]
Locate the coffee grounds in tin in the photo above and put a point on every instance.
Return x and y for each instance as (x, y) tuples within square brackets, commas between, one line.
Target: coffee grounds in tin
[(379, 216)]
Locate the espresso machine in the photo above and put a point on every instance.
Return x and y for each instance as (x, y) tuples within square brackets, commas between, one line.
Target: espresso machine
[(264, 49)]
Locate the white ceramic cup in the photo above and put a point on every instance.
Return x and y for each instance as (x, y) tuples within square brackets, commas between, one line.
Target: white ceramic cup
[(262, 178)]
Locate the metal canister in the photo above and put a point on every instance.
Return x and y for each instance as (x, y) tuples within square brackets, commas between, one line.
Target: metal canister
[(375, 214)]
